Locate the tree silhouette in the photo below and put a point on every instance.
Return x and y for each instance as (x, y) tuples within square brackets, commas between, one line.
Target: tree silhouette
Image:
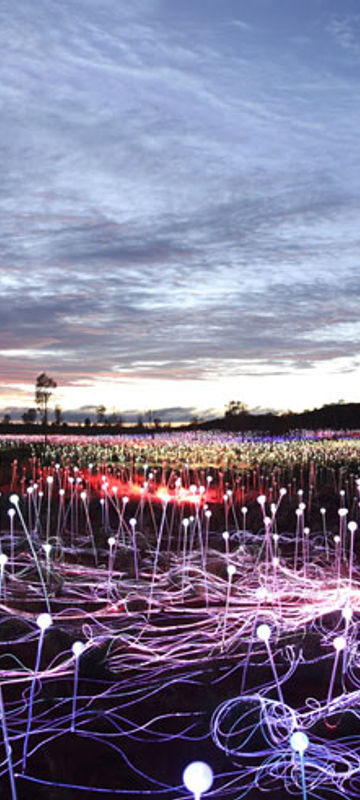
[(29, 415), (43, 391), (58, 418), (100, 414)]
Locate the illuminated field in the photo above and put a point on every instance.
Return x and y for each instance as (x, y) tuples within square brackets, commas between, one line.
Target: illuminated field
[(202, 601)]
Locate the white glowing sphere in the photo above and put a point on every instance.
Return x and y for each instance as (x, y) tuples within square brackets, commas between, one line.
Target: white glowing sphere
[(11, 513), (261, 499), (323, 510), (111, 541), (198, 777), (275, 561), (339, 643), (306, 531), (14, 499), (208, 514), (44, 621), (231, 570), (50, 479), (299, 741), (77, 649), (263, 632), (62, 492), (191, 519), (132, 522), (225, 535), (302, 506), (225, 498), (300, 492), (298, 512), (3, 559), (276, 537), (193, 488), (337, 539), (83, 496), (352, 526), (47, 548), (202, 489), (267, 521), (343, 512), (185, 522), (244, 510), (114, 489), (30, 489), (283, 492), (125, 500), (342, 492)]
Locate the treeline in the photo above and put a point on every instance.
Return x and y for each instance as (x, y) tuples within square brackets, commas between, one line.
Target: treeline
[(341, 416)]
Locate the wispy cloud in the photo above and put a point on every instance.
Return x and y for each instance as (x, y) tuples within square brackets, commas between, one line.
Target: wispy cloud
[(180, 191)]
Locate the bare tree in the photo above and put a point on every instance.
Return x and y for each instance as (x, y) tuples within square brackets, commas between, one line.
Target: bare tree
[(43, 391)]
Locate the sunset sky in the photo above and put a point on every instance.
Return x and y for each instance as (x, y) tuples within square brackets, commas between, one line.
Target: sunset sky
[(180, 203)]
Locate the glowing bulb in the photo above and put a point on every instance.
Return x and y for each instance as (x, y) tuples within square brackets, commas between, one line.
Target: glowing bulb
[(47, 549), (261, 499), (339, 643), (198, 778), (3, 559), (77, 649), (352, 526), (263, 632), (44, 621), (225, 535), (299, 741), (231, 570), (14, 499), (111, 541)]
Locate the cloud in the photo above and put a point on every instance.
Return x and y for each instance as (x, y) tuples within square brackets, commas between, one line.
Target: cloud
[(180, 192)]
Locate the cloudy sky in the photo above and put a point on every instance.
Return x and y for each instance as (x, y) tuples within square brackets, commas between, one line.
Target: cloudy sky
[(180, 202)]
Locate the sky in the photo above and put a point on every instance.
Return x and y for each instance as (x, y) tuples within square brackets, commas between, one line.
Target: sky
[(180, 203)]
